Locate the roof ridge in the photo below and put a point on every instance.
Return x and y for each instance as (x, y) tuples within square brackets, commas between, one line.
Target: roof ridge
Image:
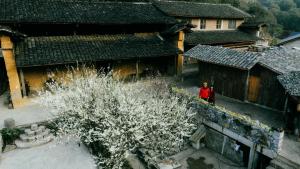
[(238, 9), (193, 2), (100, 2)]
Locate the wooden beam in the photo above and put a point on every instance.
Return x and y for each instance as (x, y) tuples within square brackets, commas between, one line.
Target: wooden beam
[(247, 86), (23, 83), (180, 58), (251, 156), (11, 69), (286, 103), (137, 76)]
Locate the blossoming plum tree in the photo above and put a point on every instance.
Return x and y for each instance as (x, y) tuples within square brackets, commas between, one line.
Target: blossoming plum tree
[(143, 116)]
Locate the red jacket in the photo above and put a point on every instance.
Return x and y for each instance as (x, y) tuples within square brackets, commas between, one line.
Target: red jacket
[(204, 93)]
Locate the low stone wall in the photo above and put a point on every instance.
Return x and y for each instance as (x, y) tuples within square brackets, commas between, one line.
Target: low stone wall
[(259, 134), (214, 140)]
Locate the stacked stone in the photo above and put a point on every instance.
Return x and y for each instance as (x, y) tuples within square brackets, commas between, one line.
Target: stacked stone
[(277, 140), (34, 136)]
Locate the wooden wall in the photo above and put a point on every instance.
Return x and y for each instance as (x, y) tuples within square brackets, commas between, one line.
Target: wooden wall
[(146, 67), (271, 93), (230, 82), (36, 77)]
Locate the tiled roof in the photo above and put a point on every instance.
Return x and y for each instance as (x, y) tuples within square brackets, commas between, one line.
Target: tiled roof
[(37, 51), (289, 39), (200, 10), (223, 56), (218, 37), (81, 11), (252, 24), (291, 82), (281, 60)]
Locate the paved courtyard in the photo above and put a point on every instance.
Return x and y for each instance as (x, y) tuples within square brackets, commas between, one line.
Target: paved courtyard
[(31, 113), (50, 156)]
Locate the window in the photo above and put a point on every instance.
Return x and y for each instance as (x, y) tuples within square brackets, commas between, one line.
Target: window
[(202, 24), (219, 24), (232, 24)]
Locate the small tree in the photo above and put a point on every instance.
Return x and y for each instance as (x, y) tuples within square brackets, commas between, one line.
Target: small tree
[(116, 116)]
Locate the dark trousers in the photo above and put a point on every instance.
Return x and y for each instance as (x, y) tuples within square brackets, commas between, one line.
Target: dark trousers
[(206, 99)]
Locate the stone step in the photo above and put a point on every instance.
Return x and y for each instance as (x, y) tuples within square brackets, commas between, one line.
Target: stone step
[(27, 138), (280, 165), (270, 167), (37, 130), (287, 162), (24, 144)]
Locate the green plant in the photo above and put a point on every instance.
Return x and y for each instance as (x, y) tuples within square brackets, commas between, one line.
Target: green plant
[(52, 126), (9, 135)]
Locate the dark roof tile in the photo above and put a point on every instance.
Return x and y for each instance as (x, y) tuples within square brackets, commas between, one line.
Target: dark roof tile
[(38, 51), (289, 39), (291, 82), (223, 56), (200, 10), (81, 11), (281, 60), (218, 37)]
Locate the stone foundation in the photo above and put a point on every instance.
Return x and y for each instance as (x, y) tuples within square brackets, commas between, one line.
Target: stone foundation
[(223, 145)]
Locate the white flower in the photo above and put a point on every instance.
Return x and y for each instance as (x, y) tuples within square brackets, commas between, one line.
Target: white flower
[(121, 116)]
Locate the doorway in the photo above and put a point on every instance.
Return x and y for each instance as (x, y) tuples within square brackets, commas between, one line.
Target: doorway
[(254, 88), (3, 77)]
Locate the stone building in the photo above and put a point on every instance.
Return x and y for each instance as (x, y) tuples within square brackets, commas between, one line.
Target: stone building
[(125, 37)]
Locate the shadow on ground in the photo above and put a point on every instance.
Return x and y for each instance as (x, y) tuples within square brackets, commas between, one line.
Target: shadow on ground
[(198, 163)]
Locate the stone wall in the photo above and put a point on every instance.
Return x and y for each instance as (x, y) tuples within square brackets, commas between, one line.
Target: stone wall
[(215, 140), (250, 132)]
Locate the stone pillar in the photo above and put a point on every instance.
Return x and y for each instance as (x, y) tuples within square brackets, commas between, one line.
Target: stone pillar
[(12, 73), (251, 156), (180, 57)]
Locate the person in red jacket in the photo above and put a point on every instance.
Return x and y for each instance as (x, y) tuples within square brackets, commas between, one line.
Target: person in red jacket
[(204, 92)]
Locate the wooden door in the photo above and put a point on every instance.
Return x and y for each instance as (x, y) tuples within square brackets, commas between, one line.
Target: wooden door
[(254, 88)]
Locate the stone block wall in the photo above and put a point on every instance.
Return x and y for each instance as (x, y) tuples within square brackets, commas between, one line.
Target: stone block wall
[(214, 140), (242, 126)]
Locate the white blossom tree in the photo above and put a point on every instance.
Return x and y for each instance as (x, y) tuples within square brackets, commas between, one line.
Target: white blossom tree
[(120, 116)]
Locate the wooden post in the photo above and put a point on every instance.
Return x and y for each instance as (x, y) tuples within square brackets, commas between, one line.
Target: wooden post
[(251, 156), (137, 76), (286, 103), (247, 86), (23, 83), (180, 56), (12, 73)]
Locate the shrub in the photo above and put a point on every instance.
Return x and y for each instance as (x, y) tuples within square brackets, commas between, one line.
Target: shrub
[(9, 135), (111, 116)]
